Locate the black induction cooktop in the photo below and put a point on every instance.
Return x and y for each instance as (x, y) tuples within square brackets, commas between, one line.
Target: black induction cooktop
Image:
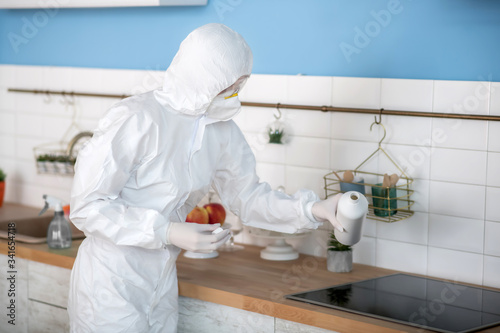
[(427, 303)]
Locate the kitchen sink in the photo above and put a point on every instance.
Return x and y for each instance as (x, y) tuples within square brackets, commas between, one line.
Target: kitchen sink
[(33, 230)]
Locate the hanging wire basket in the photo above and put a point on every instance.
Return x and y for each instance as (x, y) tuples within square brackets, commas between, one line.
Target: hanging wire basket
[(386, 204), (51, 158), (58, 158)]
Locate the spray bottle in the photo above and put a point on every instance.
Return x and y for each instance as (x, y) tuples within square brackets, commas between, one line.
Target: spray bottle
[(351, 213), (59, 231)]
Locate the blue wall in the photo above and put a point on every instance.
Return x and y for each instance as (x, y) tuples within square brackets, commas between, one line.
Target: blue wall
[(422, 39)]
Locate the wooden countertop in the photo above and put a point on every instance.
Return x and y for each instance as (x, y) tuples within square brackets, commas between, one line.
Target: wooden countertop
[(243, 280)]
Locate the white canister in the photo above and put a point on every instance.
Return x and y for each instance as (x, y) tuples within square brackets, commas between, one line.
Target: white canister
[(351, 213)]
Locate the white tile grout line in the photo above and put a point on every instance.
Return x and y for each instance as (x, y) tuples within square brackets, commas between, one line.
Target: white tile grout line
[(429, 189), (484, 208), (432, 97), (489, 97)]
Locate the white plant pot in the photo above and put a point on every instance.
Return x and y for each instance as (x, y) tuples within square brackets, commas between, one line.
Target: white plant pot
[(51, 167), (339, 261), (61, 168), (41, 166), (70, 168)]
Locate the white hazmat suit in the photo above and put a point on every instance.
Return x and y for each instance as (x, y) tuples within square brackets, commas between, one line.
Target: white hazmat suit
[(151, 160)]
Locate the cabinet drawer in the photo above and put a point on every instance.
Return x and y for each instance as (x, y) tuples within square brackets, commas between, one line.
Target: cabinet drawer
[(47, 318), (212, 317), (49, 284)]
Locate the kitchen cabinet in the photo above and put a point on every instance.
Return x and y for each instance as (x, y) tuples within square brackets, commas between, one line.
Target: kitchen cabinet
[(41, 293), (47, 297), (47, 318), (211, 317), (49, 284)]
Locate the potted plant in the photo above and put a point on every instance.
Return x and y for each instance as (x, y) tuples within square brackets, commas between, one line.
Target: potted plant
[(51, 163), (275, 136), (2, 186), (71, 164), (41, 163), (339, 256), (276, 132), (62, 164)]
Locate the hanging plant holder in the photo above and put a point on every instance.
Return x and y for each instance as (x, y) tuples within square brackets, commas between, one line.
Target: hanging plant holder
[(277, 130), (59, 157), (51, 158)]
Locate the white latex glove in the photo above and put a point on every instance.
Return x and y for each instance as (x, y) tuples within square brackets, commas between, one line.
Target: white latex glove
[(196, 237), (326, 210)]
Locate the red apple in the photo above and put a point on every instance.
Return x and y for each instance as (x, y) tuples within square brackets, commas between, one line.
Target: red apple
[(198, 215), (216, 213)]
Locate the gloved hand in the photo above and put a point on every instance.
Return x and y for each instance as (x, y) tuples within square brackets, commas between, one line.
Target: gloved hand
[(196, 237), (326, 210)]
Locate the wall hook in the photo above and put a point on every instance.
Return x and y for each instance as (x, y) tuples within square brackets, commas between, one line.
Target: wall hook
[(68, 98), (71, 101), (64, 99), (48, 97), (379, 121), (279, 111)]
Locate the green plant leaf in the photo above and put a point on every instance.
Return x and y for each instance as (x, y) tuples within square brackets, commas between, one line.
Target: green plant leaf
[(335, 245), (275, 136)]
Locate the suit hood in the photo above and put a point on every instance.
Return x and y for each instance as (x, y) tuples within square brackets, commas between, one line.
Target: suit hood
[(210, 59)]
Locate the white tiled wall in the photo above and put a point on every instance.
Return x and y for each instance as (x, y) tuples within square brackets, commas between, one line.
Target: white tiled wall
[(455, 230)]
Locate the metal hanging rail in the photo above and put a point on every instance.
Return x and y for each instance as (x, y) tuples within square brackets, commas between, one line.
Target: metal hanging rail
[(65, 93), (293, 106)]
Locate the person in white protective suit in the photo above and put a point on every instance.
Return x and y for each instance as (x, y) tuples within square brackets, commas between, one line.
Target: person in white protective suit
[(151, 160)]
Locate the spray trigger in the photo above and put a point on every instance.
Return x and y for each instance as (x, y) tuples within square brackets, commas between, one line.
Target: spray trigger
[(44, 209), (51, 202)]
